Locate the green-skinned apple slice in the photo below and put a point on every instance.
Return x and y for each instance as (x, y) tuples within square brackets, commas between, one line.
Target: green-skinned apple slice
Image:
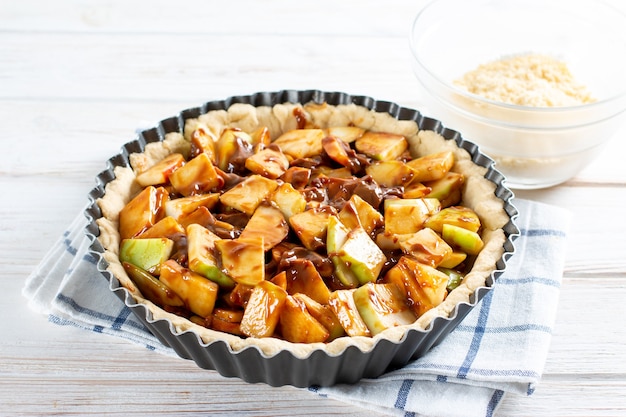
[(342, 304), (364, 258), (297, 325), (151, 288), (336, 236), (466, 240), (263, 310), (147, 254), (382, 306), (201, 253)]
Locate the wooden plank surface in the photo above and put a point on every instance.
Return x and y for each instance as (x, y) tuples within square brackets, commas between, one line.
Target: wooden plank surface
[(77, 78)]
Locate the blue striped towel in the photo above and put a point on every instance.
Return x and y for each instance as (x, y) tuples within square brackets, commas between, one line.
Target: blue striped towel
[(500, 347)]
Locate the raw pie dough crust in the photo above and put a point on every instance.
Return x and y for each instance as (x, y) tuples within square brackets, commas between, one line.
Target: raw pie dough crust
[(478, 194)]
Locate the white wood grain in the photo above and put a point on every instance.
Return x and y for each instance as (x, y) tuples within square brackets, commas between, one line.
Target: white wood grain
[(78, 77)]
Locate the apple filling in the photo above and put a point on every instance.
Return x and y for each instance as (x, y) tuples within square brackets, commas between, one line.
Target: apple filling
[(316, 234)]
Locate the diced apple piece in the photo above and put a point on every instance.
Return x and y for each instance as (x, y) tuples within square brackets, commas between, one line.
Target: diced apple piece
[(159, 173), (142, 212), (263, 310), (201, 253), (453, 259), (358, 212), (381, 146), (466, 240), (178, 208), (342, 304), (280, 279), (324, 315), (230, 142), (455, 278), (203, 141), (364, 258), (298, 177), (337, 234), (457, 215), (227, 320), (415, 190), (310, 226), (301, 143), (242, 259), (151, 288), (200, 215), (390, 173), (432, 167), (198, 176), (302, 277), (268, 162), (147, 254), (297, 325), (427, 247), (339, 151), (198, 293), (382, 306), (391, 241), (248, 194), (404, 216), (166, 227), (424, 286), (261, 136), (447, 189), (289, 200), (240, 295), (269, 223), (348, 134)]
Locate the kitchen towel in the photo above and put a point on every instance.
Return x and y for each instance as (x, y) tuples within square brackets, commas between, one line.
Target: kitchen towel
[(500, 347)]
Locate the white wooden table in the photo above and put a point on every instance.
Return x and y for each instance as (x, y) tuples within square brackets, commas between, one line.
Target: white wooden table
[(78, 77)]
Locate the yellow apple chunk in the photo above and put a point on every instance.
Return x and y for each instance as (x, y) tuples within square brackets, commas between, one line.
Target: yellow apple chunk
[(432, 167), (248, 194), (404, 216), (302, 277), (203, 141), (268, 162), (427, 247), (390, 173), (263, 310), (456, 215), (229, 143), (159, 173), (324, 315), (198, 176), (142, 212), (166, 227), (301, 143), (178, 208), (198, 293), (297, 325), (310, 226), (269, 223), (289, 200), (425, 286), (347, 134), (342, 304), (242, 259), (381, 146)]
